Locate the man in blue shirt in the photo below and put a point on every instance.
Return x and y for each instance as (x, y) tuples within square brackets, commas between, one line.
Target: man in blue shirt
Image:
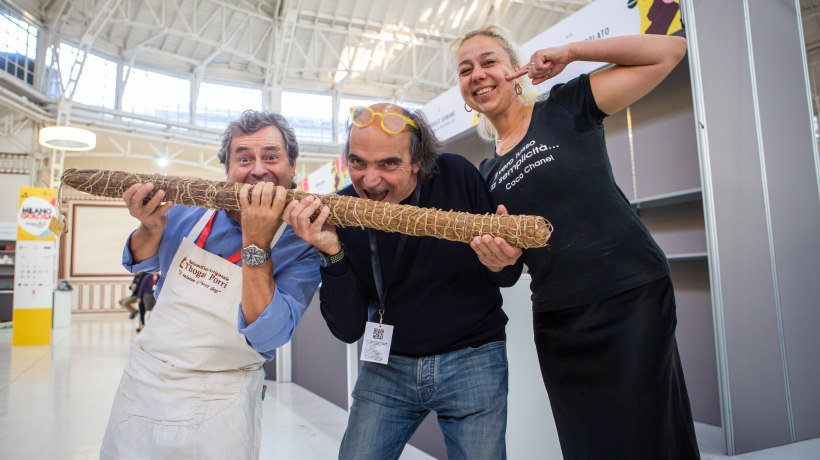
[(192, 387)]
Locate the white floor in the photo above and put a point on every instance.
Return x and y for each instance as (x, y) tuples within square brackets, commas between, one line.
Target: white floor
[(54, 402)]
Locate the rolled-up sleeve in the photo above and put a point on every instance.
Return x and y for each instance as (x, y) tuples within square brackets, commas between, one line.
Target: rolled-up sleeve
[(149, 265), (296, 274)]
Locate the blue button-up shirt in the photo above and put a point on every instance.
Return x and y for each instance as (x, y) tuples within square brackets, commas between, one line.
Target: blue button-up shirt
[(295, 271)]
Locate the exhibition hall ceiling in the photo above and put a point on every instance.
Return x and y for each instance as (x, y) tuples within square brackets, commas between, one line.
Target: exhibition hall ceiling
[(386, 48), (382, 49), (375, 48)]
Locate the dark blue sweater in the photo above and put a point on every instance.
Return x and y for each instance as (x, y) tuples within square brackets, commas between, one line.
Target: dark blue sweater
[(440, 298)]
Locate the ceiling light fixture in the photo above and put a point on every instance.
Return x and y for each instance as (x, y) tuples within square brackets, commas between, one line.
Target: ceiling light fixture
[(67, 138)]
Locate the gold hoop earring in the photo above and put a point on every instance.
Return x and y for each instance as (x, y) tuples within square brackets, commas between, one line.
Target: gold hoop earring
[(467, 108), (518, 90)]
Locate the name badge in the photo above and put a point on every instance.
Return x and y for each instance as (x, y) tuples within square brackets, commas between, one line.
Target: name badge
[(376, 343)]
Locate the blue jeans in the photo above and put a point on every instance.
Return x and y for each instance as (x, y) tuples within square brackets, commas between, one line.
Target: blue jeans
[(467, 388)]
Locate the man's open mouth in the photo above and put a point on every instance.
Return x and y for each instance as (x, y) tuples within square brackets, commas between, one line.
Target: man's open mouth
[(376, 196)]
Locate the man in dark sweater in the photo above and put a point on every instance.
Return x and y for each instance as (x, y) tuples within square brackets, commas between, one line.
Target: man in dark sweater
[(438, 303)]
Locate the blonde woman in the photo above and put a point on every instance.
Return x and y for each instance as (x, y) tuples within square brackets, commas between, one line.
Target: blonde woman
[(603, 305)]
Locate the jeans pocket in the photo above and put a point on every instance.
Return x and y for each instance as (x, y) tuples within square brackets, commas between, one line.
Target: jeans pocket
[(490, 345)]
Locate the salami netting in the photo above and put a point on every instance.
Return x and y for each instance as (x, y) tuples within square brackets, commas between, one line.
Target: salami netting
[(519, 230)]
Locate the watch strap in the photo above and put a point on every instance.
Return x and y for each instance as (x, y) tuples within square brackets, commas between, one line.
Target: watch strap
[(338, 256), (330, 260)]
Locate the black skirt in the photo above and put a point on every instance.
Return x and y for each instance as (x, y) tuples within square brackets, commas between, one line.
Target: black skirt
[(614, 378)]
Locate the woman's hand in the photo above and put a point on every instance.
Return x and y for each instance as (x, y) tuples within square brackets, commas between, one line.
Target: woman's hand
[(641, 62), (495, 252), (544, 64)]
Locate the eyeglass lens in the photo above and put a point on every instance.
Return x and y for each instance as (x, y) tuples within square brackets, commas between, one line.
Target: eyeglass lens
[(392, 122), (362, 116)]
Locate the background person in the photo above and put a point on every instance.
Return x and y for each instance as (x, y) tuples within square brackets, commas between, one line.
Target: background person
[(145, 294), (603, 305), (448, 345), (192, 388), (130, 302)]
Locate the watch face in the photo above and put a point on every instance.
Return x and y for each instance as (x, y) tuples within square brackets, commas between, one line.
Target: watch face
[(324, 260), (253, 256)]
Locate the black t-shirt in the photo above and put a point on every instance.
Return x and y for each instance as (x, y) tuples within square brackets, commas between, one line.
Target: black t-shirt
[(560, 170)]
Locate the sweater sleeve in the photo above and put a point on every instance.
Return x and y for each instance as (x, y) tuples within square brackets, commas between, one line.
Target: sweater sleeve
[(509, 275), (343, 302)]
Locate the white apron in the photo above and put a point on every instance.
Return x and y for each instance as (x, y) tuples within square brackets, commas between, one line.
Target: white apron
[(193, 386)]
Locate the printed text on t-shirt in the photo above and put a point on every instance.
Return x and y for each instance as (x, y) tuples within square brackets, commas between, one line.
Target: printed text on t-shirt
[(514, 170)]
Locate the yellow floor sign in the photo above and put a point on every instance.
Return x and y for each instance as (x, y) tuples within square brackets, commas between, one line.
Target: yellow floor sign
[(35, 259)]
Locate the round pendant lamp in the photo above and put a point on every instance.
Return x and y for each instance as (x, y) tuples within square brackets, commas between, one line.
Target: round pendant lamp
[(67, 138)]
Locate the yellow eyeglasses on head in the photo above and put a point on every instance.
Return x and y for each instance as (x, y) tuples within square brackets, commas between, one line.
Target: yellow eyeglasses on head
[(392, 122)]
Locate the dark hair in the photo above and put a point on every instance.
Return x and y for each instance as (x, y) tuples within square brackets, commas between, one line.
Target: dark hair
[(252, 121), (424, 145)]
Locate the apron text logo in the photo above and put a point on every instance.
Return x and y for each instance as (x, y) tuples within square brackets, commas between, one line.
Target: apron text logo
[(202, 275)]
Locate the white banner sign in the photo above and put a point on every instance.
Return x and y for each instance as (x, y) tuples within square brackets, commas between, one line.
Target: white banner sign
[(447, 116), (321, 180)]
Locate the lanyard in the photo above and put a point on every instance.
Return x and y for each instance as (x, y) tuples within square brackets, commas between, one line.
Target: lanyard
[(374, 257), (204, 236)]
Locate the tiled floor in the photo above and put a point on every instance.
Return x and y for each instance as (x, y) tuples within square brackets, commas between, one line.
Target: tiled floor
[(54, 402)]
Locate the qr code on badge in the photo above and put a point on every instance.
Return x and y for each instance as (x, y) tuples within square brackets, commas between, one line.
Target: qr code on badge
[(378, 334)]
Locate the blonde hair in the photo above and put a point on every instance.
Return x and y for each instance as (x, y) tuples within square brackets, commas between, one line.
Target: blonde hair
[(485, 129)]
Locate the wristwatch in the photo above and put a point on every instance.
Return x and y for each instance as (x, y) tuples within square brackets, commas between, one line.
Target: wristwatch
[(253, 255), (326, 260)]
